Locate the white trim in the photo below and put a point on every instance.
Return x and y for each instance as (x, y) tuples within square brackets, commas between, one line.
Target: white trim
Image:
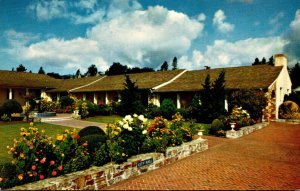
[(168, 82), (86, 84)]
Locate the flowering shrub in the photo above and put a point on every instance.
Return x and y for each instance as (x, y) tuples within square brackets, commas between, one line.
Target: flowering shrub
[(126, 137), (37, 156), (48, 105), (239, 116)]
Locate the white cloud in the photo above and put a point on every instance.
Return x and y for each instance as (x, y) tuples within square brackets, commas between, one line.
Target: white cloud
[(229, 54), (275, 22), (293, 36), (86, 4), (45, 10), (18, 39), (219, 22), (93, 18), (138, 38), (201, 17)]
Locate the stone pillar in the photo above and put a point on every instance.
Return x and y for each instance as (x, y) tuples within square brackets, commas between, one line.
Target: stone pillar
[(10, 94), (95, 98), (178, 101)]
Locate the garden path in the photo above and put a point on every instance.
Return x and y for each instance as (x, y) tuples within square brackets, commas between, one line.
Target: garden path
[(267, 159), (67, 120)]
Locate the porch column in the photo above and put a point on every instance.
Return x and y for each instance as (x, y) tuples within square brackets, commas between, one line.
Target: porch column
[(43, 94), (27, 92), (178, 101), (84, 97), (226, 105), (10, 94), (156, 100), (57, 96), (95, 98), (106, 98)]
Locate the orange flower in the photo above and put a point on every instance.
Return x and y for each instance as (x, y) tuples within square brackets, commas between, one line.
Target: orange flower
[(20, 176)]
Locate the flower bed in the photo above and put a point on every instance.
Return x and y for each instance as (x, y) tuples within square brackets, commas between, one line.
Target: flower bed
[(232, 134), (96, 178)]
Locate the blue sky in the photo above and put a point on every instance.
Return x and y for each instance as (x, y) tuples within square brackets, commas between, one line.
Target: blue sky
[(63, 36)]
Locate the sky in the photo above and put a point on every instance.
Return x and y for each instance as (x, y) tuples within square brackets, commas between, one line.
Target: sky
[(63, 36)]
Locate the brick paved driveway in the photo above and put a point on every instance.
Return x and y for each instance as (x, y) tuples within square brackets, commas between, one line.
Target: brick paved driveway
[(266, 159)]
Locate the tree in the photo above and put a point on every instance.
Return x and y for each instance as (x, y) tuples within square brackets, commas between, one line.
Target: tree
[(164, 66), (219, 93), (271, 61), (92, 70), (130, 99), (13, 69), (78, 74), (41, 70), (116, 69), (294, 74), (21, 68), (256, 62), (263, 61), (54, 75), (207, 98), (174, 63)]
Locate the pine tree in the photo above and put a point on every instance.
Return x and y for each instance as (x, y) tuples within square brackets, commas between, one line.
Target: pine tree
[(271, 61), (41, 70), (264, 61), (219, 93), (21, 68), (256, 62), (174, 63), (164, 66)]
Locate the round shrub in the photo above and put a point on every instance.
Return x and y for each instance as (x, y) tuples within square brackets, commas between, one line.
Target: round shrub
[(168, 108), (66, 101), (90, 130), (11, 106), (101, 156), (94, 141), (216, 126), (288, 110)]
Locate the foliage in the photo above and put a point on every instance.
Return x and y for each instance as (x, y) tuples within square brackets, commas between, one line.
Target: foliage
[(105, 109), (294, 74), (216, 128), (41, 70), (126, 137), (116, 68), (240, 117), (167, 108), (37, 156), (289, 110), (4, 117), (92, 70), (130, 99), (254, 101), (11, 106), (90, 130), (101, 156), (164, 66), (66, 101), (152, 111), (294, 96), (174, 63), (21, 68), (49, 106), (194, 109)]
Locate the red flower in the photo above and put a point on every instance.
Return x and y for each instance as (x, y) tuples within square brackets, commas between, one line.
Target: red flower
[(52, 162), (53, 173), (150, 128), (77, 137), (33, 167), (34, 173), (43, 160), (42, 177), (60, 168)]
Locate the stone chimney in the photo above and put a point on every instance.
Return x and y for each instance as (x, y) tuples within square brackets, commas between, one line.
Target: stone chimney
[(280, 60)]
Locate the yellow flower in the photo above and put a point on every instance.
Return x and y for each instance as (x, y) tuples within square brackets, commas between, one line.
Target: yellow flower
[(59, 137), (123, 154), (31, 123), (20, 176), (22, 129), (62, 154), (116, 132), (43, 131), (22, 155)]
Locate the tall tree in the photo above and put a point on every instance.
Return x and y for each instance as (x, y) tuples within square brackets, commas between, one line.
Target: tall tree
[(78, 74), (174, 63), (271, 61), (92, 70), (13, 69), (130, 98), (41, 70), (164, 66), (116, 68), (294, 74), (256, 62), (263, 61), (206, 101), (21, 68), (219, 93)]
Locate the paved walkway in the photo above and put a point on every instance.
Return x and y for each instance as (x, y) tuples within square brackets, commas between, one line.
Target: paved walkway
[(266, 159), (67, 120)]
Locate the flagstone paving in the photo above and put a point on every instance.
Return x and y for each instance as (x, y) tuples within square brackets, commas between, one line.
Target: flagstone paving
[(266, 159)]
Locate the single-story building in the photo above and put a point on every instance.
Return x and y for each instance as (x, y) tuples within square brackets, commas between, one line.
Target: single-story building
[(178, 85)]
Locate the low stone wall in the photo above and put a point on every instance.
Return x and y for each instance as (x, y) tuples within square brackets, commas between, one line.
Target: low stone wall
[(232, 134), (96, 178), (290, 121)]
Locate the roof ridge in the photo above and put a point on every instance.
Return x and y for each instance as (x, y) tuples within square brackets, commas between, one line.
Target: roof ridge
[(87, 84), (170, 81)]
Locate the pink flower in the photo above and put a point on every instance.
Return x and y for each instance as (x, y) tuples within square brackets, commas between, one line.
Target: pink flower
[(42, 177), (43, 160), (52, 162), (53, 173), (33, 167), (77, 137), (60, 168)]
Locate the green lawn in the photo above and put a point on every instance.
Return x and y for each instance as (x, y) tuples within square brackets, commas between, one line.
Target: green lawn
[(105, 119), (10, 131)]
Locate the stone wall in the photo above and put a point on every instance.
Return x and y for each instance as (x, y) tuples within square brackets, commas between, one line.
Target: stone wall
[(232, 134), (96, 178)]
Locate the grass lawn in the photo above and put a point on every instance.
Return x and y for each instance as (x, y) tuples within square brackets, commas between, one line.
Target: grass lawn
[(105, 119), (10, 131)]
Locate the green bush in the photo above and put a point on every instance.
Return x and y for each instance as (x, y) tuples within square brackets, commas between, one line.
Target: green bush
[(93, 109), (94, 141), (183, 112), (216, 126), (152, 111), (66, 101), (168, 108), (289, 110), (8, 170), (101, 156), (105, 109), (90, 130), (11, 106)]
